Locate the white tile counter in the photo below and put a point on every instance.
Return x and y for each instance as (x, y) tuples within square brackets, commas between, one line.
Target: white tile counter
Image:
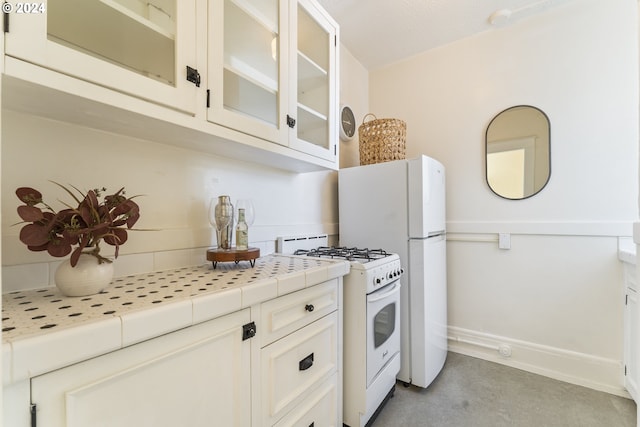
[(43, 330)]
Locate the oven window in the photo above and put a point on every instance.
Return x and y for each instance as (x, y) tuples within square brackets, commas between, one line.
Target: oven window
[(384, 324)]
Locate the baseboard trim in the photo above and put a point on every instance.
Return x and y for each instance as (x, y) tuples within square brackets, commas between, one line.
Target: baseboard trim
[(582, 369)]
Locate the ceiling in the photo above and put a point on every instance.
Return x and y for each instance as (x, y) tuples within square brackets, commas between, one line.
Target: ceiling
[(380, 32)]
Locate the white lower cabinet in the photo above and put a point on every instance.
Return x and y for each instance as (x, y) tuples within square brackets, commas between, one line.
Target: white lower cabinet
[(319, 409), (294, 365), (286, 373), (198, 376), (301, 358), (631, 330)]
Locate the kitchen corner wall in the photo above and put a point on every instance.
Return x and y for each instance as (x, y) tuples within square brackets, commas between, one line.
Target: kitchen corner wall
[(176, 186), (553, 303), (354, 92)]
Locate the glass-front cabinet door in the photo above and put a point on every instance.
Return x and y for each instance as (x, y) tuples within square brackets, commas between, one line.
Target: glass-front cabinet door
[(247, 44), (314, 91), (272, 72), (141, 47)]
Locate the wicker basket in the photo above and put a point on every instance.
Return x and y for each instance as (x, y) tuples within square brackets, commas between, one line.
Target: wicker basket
[(381, 140)]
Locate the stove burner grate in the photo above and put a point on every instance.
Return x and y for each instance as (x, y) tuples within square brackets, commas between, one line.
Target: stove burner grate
[(343, 252)]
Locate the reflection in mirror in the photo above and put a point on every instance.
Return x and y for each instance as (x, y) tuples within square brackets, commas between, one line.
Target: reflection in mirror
[(518, 152)]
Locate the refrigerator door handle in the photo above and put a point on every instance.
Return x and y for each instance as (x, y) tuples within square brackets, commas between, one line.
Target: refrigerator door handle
[(436, 233)]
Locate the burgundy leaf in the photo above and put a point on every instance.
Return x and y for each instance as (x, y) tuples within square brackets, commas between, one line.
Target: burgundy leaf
[(59, 248), (66, 215), (92, 199), (71, 237), (85, 214), (75, 256), (49, 215), (29, 195), (30, 213), (118, 223), (84, 241), (34, 235), (38, 248), (121, 209), (117, 237), (132, 220), (103, 211), (99, 230)]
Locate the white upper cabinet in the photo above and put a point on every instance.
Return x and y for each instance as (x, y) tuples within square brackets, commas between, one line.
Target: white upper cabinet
[(313, 73), (248, 43), (131, 46), (272, 72), (254, 80)]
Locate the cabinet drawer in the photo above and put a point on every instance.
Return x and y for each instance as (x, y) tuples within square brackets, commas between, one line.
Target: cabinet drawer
[(319, 409), (294, 365), (291, 312)]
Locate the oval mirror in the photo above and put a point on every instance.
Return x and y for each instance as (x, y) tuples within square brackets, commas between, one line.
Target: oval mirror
[(518, 152)]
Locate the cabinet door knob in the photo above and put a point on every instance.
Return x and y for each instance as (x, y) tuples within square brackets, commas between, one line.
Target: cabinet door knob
[(309, 307)]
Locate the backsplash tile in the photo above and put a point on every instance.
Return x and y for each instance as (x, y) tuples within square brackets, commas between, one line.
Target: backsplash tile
[(25, 276)]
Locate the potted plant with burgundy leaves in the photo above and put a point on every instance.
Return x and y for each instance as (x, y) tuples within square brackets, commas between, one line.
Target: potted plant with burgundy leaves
[(78, 230)]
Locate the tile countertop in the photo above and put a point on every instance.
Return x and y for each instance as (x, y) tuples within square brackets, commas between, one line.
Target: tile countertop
[(43, 330)]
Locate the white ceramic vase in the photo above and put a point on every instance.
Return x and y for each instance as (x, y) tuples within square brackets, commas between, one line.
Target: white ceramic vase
[(86, 278)]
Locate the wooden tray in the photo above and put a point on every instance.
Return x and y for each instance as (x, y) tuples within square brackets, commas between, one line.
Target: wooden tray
[(229, 255)]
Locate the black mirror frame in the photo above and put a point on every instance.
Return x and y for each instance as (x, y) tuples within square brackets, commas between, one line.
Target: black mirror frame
[(486, 134)]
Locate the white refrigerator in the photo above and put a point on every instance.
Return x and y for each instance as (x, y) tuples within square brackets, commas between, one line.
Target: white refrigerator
[(399, 206)]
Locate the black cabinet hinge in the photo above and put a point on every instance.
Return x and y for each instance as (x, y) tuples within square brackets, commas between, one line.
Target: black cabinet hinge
[(32, 411), (248, 331), (291, 122), (193, 76), (5, 20)]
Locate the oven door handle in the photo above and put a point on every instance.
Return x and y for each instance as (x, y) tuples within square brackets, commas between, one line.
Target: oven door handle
[(375, 297)]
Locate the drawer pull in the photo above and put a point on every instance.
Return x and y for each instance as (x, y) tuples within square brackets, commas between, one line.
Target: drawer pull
[(309, 307), (306, 363)]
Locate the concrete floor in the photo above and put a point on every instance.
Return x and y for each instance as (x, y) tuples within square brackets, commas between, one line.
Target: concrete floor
[(471, 392)]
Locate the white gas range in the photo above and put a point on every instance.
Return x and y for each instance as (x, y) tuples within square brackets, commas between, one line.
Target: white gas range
[(371, 329)]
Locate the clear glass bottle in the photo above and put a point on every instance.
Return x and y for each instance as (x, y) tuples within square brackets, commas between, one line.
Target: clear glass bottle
[(242, 232)]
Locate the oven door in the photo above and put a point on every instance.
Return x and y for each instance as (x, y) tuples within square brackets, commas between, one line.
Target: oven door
[(383, 328)]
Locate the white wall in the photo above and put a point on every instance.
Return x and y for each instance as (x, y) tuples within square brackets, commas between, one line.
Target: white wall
[(176, 185), (354, 91), (556, 297)]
